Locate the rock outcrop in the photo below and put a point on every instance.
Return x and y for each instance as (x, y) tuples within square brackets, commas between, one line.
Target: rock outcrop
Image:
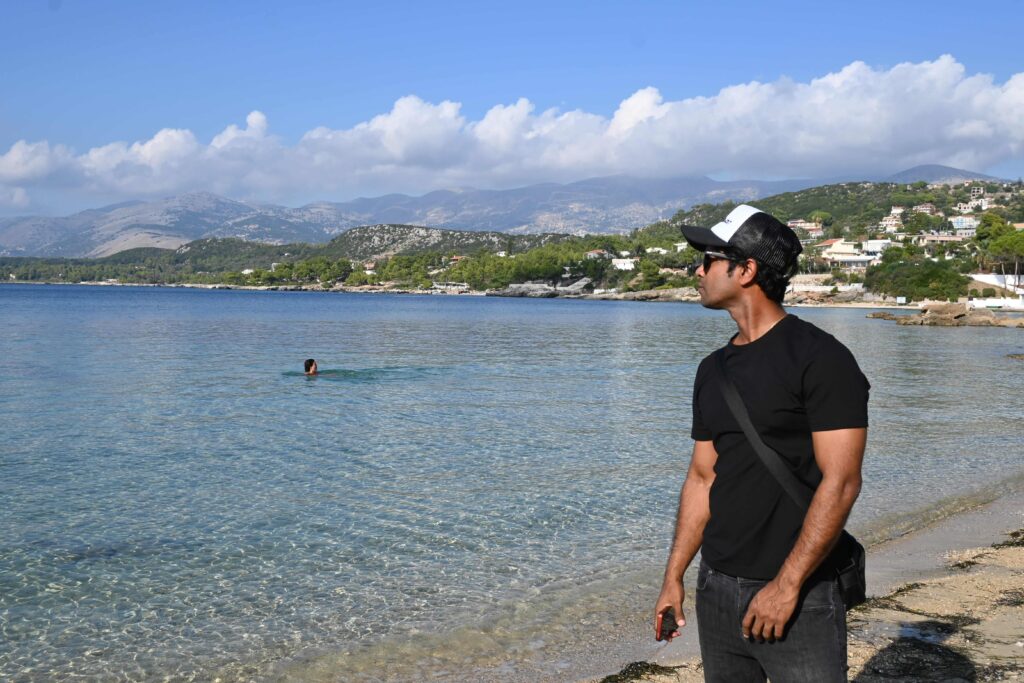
[(527, 289), (951, 315), (675, 294)]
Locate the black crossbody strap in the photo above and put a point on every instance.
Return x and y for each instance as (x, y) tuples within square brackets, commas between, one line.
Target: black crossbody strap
[(797, 490)]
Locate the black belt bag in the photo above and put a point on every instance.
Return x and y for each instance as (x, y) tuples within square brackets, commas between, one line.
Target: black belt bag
[(850, 554)]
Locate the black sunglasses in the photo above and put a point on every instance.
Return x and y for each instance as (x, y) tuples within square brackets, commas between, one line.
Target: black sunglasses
[(712, 256)]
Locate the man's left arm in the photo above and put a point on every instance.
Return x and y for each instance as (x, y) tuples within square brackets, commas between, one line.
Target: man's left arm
[(839, 454)]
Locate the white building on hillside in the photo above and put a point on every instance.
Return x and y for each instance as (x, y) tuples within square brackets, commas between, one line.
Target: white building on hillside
[(936, 240), (813, 230), (891, 223), (964, 226), (839, 252), (875, 247)]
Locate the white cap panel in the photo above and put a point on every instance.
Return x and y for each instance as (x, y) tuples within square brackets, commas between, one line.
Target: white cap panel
[(737, 217)]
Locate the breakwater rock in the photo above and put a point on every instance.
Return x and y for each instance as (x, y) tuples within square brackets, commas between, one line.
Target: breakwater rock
[(543, 290), (675, 294), (829, 298), (529, 290), (886, 315), (951, 315)]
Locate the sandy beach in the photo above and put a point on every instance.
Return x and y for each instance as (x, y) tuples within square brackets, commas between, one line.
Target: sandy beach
[(947, 605)]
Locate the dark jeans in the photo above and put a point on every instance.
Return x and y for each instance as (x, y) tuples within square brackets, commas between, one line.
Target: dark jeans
[(813, 648)]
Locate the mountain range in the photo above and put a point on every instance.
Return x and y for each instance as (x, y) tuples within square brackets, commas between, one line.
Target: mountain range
[(613, 204)]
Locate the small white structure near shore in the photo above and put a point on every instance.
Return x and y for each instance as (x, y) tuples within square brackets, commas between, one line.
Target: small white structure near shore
[(1009, 282), (1002, 304)]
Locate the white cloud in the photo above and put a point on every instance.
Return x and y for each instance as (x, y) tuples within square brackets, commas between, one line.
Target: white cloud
[(256, 129), (26, 162), (642, 106), (857, 120)]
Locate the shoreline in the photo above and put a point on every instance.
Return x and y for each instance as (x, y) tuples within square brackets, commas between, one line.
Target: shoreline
[(597, 630), (945, 598), (643, 296)]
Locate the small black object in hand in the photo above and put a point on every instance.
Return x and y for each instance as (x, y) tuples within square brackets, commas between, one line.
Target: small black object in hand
[(667, 624)]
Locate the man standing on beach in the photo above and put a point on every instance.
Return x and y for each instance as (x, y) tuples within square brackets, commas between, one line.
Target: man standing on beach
[(767, 601)]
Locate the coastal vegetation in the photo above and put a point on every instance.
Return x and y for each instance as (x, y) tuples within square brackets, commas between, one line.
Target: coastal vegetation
[(908, 272)]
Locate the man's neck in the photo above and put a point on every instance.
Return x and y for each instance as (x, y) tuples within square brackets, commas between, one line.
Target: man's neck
[(755, 318)]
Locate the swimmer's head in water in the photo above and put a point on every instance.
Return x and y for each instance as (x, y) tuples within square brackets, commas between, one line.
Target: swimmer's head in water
[(310, 366)]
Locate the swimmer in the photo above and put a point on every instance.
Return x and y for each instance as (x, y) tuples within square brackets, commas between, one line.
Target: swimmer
[(310, 366)]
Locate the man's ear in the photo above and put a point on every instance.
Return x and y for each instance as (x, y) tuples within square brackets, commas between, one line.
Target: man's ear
[(747, 272)]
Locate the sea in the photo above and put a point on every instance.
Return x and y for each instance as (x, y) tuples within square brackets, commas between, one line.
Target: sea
[(474, 488)]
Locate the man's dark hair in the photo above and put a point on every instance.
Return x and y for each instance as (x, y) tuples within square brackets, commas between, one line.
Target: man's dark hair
[(774, 246), (771, 281), (309, 363)]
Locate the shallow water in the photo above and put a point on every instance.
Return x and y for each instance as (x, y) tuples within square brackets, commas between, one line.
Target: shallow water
[(469, 481)]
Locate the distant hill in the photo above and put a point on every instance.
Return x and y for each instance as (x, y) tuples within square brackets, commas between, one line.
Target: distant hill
[(846, 206), (849, 204), (599, 205), (375, 241), (615, 204), (365, 243), (934, 173), (221, 255), (167, 223)]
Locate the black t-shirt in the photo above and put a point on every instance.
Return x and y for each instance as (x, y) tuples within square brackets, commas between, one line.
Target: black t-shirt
[(795, 379)]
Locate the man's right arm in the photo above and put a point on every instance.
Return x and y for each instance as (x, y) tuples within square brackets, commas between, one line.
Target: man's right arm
[(693, 514)]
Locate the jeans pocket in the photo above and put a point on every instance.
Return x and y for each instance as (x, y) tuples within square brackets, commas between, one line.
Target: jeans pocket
[(821, 596), (703, 573)]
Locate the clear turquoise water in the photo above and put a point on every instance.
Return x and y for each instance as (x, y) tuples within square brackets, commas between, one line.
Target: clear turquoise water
[(179, 501)]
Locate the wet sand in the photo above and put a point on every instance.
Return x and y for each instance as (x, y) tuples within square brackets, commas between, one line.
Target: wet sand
[(947, 605)]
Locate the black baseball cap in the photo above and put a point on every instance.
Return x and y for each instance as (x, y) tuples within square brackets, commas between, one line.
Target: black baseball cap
[(748, 232)]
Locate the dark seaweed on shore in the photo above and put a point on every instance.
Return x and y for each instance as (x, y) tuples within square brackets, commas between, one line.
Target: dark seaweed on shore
[(636, 671), (1015, 540)]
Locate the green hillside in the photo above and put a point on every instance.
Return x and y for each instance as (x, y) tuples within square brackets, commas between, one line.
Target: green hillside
[(209, 260), (374, 241), (855, 208)]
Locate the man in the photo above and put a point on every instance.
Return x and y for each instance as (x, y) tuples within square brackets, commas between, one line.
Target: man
[(767, 603), (310, 366)]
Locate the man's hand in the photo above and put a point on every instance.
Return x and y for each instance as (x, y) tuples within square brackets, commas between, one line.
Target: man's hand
[(769, 611), (672, 596), (693, 514)]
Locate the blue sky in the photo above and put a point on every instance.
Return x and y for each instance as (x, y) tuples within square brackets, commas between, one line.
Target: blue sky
[(83, 75)]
